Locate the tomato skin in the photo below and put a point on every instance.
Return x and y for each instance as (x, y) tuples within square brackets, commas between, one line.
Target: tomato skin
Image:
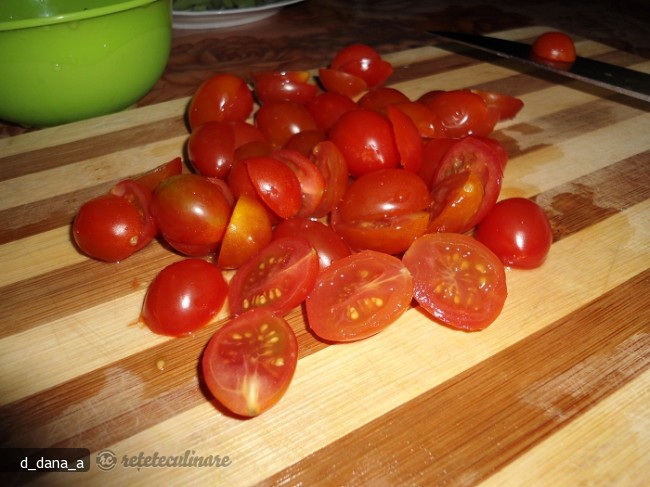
[(456, 201), (184, 297), (342, 83), (425, 120), (328, 244), (291, 86), (140, 197), (506, 106), (556, 48), (433, 152), (383, 194), (312, 183), (278, 278), (327, 107), (380, 98), (279, 120), (249, 363), (462, 113), (151, 179), (191, 212), (518, 231), (358, 296), (249, 231), (222, 97), (407, 137), (330, 162), (366, 141), (364, 62), (276, 184), (107, 228), (305, 141), (457, 280), (211, 149)]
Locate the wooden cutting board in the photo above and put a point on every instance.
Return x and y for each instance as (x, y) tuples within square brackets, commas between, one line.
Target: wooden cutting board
[(555, 392)]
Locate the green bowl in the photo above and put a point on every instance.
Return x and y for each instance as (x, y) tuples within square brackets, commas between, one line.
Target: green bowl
[(68, 60)]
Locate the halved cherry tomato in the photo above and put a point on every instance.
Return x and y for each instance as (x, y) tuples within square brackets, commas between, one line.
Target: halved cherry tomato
[(408, 139), (330, 162), (358, 296), (556, 48), (278, 278), (291, 86), (276, 184), (279, 120), (249, 363), (457, 279), (211, 149), (392, 235), (517, 230), (340, 82), (506, 106), (462, 113), (312, 183), (249, 231), (434, 151), (425, 120), (327, 107), (378, 99), (191, 212), (222, 97), (475, 155), (366, 141), (151, 179), (383, 194), (456, 201), (364, 62), (140, 197), (246, 133), (184, 297), (305, 141), (328, 244)]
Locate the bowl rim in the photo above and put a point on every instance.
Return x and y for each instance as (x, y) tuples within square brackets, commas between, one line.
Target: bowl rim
[(88, 13)]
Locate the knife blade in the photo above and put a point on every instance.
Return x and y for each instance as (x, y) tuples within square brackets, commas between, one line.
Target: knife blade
[(609, 76)]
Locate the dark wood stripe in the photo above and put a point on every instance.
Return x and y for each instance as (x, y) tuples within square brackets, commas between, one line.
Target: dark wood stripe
[(506, 404), (60, 155)]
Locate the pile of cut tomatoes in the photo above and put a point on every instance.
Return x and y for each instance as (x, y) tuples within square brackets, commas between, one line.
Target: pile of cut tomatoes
[(339, 194)]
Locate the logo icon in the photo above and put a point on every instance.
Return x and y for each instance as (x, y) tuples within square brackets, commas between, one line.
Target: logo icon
[(106, 460)]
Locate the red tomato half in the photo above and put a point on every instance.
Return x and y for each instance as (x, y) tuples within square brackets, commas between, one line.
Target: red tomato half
[(518, 231), (278, 278), (327, 107), (556, 48), (358, 296), (279, 120), (184, 297), (222, 97), (457, 279), (340, 82), (284, 86), (211, 149), (151, 179), (249, 363), (276, 184), (462, 113), (364, 62), (506, 106)]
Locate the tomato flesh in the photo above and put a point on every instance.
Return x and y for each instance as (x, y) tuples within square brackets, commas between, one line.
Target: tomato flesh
[(278, 278), (457, 279), (249, 363), (358, 296)]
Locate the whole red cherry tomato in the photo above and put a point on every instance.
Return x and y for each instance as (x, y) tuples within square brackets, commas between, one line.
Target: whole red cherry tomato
[(222, 97), (517, 230), (184, 297)]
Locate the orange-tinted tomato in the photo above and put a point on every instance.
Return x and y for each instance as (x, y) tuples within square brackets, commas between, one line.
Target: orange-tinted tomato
[(249, 362), (457, 279), (358, 296), (222, 97), (249, 231), (278, 278), (184, 297)]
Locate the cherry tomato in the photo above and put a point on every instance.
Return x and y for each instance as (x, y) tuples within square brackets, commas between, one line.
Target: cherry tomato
[(457, 279), (211, 149), (556, 48), (364, 62), (432, 154), (425, 120), (366, 141), (506, 106), (475, 155), (462, 113), (383, 194), (312, 183), (278, 278), (518, 231), (222, 97), (328, 244), (249, 363), (305, 141), (342, 83), (327, 107), (456, 201), (378, 99), (280, 120), (291, 86), (107, 228), (140, 197), (276, 184), (184, 297), (249, 231), (151, 179), (191, 212), (392, 235), (408, 139), (330, 162), (358, 296)]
